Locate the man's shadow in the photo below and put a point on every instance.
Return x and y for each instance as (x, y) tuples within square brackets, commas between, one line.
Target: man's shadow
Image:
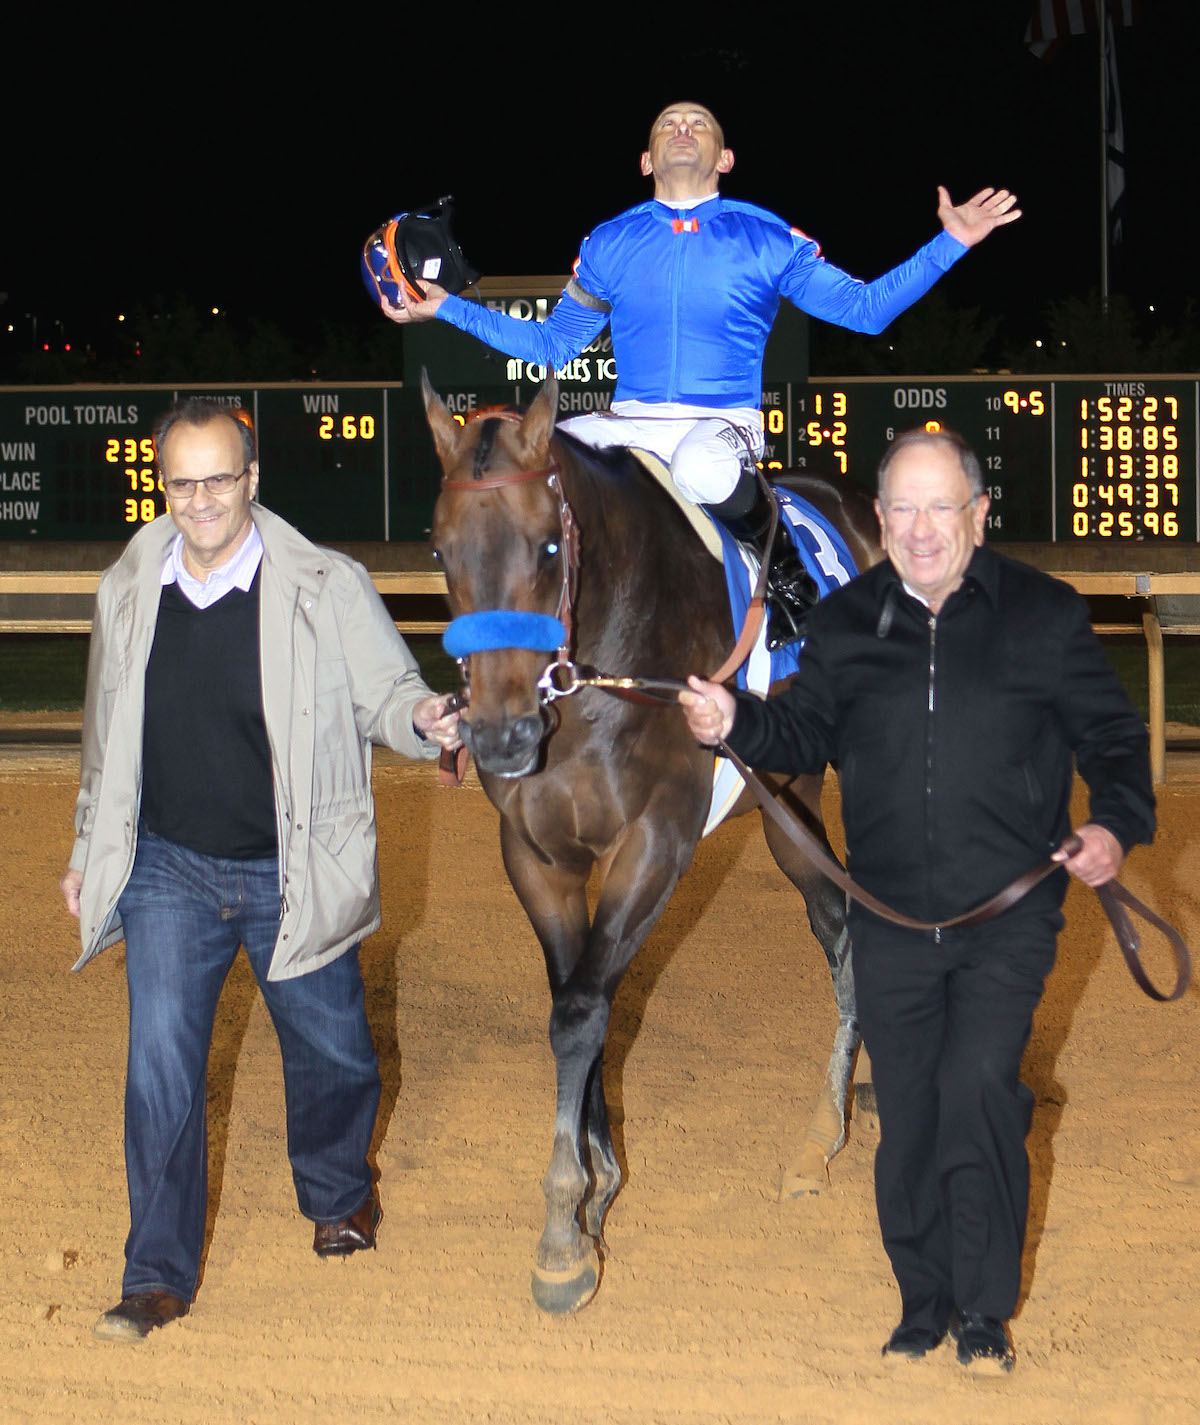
[(404, 817), (1081, 945)]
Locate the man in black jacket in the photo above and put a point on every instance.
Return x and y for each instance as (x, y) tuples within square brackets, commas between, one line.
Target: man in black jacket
[(954, 689)]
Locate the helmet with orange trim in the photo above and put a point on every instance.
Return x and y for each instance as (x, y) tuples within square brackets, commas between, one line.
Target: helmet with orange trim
[(413, 247)]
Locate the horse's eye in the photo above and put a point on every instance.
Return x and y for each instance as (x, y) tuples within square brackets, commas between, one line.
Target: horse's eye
[(437, 555), (548, 551)]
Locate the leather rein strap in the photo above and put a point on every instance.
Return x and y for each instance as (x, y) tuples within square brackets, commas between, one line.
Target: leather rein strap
[(1113, 896), (757, 610)]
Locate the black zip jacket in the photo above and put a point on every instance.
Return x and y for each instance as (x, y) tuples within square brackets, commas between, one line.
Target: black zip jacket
[(954, 734)]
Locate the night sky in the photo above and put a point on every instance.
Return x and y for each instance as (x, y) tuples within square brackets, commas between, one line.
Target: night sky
[(243, 165)]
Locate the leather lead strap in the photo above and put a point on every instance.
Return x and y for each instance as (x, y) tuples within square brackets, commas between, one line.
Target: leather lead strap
[(452, 766), (1113, 896)]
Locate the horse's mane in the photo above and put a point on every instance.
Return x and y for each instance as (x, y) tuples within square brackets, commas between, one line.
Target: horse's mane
[(611, 460), (620, 473)]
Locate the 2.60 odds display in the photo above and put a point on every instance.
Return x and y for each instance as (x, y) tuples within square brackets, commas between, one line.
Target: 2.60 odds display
[(1088, 458)]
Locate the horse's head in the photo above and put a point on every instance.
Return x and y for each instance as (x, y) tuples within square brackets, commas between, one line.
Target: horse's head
[(498, 530)]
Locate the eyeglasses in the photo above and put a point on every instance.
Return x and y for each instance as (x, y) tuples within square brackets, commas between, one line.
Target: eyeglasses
[(215, 485), (943, 513)]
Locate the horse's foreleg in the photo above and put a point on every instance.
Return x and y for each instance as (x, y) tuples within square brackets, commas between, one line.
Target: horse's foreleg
[(638, 878), (566, 1268)]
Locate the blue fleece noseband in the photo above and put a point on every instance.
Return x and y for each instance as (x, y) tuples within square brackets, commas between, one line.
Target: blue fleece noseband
[(502, 628)]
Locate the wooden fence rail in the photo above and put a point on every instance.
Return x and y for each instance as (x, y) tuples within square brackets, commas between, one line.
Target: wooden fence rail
[(1145, 587)]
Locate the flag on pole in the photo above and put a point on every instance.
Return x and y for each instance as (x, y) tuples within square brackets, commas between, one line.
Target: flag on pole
[(1115, 143), (1052, 24), (1054, 21)]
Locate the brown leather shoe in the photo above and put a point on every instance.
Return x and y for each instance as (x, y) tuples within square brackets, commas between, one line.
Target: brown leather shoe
[(351, 1234), (134, 1317)]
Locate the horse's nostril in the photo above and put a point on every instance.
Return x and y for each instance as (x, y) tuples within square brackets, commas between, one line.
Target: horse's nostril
[(509, 746)]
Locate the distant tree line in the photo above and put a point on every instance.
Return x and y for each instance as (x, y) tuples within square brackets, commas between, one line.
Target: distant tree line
[(179, 343), (1075, 336)]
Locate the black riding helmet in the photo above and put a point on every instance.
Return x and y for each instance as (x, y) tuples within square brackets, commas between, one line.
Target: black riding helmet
[(412, 248)]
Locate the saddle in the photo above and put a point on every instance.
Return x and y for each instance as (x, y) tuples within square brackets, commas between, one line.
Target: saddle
[(825, 556), (820, 547)]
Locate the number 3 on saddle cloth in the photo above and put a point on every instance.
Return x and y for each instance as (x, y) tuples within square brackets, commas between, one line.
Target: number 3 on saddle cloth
[(824, 554)]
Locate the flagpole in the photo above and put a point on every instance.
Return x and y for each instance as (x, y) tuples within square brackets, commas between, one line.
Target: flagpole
[(1102, 28)]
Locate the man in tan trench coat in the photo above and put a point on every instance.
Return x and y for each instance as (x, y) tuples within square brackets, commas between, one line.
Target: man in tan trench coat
[(237, 678)]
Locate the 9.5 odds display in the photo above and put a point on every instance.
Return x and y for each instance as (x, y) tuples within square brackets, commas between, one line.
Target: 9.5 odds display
[(1088, 458)]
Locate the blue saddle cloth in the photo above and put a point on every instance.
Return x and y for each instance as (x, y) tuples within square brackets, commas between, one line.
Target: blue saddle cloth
[(825, 556)]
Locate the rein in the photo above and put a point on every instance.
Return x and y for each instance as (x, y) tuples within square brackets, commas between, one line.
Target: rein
[(1114, 898), (563, 678)]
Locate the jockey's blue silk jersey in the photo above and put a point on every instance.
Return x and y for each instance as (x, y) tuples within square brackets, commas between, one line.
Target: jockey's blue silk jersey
[(691, 295)]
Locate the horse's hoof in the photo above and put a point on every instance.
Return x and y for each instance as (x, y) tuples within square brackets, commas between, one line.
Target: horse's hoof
[(559, 1293), (807, 1176), (865, 1107), (864, 1098), (794, 1187)]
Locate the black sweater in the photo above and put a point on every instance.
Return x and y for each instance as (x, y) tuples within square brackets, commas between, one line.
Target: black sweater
[(206, 779)]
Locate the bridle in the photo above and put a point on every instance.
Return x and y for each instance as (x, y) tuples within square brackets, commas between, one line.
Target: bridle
[(568, 550), (563, 677)]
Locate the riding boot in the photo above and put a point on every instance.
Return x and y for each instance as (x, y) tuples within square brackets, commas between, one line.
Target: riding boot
[(791, 589)]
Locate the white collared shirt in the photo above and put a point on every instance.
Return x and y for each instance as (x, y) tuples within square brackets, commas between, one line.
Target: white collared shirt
[(237, 573), (681, 205)]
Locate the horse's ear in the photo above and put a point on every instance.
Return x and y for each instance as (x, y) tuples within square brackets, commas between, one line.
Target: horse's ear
[(537, 425), (446, 430)]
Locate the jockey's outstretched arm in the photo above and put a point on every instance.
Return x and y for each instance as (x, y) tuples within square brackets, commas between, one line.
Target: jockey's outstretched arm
[(571, 326)]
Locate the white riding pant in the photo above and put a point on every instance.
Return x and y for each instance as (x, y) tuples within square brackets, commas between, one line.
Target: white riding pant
[(706, 453)]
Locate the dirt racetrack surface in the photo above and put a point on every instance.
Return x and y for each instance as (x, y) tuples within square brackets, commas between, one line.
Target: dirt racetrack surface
[(718, 1302)]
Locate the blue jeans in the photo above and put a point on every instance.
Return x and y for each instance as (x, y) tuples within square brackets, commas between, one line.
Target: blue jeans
[(184, 916)]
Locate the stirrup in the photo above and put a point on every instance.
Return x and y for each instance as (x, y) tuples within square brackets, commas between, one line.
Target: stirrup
[(787, 618), (791, 593), (790, 589)]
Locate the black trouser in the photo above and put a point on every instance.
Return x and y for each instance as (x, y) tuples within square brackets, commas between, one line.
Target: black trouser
[(945, 1024)]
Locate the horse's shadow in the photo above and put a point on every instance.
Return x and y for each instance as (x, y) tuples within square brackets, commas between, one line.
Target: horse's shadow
[(716, 856)]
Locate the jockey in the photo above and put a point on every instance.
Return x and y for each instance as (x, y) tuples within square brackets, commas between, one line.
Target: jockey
[(690, 282)]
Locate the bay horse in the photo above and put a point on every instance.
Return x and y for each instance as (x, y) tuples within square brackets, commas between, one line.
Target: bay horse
[(596, 783)]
